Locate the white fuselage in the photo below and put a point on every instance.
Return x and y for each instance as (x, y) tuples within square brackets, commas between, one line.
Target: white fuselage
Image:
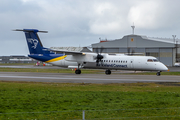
[(116, 62)]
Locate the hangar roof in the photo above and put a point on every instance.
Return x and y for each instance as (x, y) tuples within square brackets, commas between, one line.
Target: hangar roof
[(138, 41)]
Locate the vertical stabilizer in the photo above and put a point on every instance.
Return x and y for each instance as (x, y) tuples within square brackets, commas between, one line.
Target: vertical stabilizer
[(34, 43)]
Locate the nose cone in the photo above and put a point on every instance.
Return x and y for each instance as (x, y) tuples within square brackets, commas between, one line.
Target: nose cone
[(162, 67)]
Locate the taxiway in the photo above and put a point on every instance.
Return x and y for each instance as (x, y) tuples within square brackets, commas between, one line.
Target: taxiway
[(83, 78)]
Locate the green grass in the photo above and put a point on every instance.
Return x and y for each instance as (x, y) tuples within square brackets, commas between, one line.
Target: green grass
[(23, 100)]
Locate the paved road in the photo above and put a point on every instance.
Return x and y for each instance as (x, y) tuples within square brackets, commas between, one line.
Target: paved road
[(56, 67), (84, 78)]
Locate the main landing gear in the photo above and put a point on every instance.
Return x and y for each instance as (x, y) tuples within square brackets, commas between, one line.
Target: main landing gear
[(158, 73), (78, 71), (108, 72)]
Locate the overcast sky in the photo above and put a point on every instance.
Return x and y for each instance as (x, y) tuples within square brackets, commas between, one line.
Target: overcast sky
[(82, 22)]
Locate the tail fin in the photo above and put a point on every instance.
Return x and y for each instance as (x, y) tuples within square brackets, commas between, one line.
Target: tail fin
[(33, 41)]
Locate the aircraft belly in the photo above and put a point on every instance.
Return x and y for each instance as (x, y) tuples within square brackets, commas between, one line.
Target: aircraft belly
[(64, 63), (58, 63), (68, 63)]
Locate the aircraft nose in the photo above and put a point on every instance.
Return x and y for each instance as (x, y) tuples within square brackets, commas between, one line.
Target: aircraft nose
[(164, 68)]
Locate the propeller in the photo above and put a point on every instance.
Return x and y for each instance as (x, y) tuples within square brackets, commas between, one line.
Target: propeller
[(99, 57)]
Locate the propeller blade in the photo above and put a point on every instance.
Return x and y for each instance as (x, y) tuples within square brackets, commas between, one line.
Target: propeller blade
[(99, 57)]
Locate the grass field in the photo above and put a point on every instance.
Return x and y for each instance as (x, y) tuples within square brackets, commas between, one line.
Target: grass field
[(27, 100), (34, 101)]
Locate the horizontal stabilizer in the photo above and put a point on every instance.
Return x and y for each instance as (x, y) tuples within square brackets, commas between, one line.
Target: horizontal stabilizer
[(30, 30)]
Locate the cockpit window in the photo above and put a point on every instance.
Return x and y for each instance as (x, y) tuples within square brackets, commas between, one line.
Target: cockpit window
[(155, 60), (149, 60), (152, 60)]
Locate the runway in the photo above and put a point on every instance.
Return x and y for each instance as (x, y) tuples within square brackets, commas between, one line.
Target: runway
[(83, 78)]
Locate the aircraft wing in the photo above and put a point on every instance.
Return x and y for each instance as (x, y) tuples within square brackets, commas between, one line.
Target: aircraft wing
[(67, 52), (79, 57)]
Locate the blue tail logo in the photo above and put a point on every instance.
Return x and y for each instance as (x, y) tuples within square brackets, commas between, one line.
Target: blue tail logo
[(34, 42)]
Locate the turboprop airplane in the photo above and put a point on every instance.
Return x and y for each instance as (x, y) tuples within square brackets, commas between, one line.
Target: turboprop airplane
[(89, 60)]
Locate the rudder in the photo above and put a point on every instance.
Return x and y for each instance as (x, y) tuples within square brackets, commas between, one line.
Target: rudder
[(33, 41), (34, 44)]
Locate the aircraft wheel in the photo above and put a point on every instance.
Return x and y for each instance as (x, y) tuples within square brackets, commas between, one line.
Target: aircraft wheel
[(108, 72), (78, 71), (158, 73)]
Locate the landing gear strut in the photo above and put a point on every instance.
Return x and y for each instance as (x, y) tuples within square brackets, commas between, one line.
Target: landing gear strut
[(78, 71), (108, 72), (158, 73)]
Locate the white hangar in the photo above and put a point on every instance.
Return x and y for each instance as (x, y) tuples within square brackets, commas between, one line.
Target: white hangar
[(166, 50)]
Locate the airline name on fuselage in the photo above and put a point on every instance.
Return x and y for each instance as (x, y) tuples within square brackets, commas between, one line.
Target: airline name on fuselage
[(112, 65)]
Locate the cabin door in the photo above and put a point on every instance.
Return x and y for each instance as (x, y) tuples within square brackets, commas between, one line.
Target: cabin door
[(131, 63)]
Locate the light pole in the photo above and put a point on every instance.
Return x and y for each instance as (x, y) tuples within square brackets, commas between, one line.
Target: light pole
[(133, 28), (174, 38)]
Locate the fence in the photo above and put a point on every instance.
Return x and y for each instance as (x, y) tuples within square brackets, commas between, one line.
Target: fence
[(116, 114)]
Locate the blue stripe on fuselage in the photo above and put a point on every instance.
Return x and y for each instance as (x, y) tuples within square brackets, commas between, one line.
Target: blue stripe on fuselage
[(44, 57)]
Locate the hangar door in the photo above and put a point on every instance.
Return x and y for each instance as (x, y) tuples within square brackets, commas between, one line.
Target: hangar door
[(166, 56)]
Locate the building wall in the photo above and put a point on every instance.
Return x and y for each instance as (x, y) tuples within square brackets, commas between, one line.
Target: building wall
[(16, 59), (162, 49), (165, 55)]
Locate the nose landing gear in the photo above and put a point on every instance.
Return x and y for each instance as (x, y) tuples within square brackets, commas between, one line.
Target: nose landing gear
[(108, 72), (158, 73)]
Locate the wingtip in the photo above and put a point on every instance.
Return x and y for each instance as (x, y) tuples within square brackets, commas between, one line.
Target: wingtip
[(17, 30)]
